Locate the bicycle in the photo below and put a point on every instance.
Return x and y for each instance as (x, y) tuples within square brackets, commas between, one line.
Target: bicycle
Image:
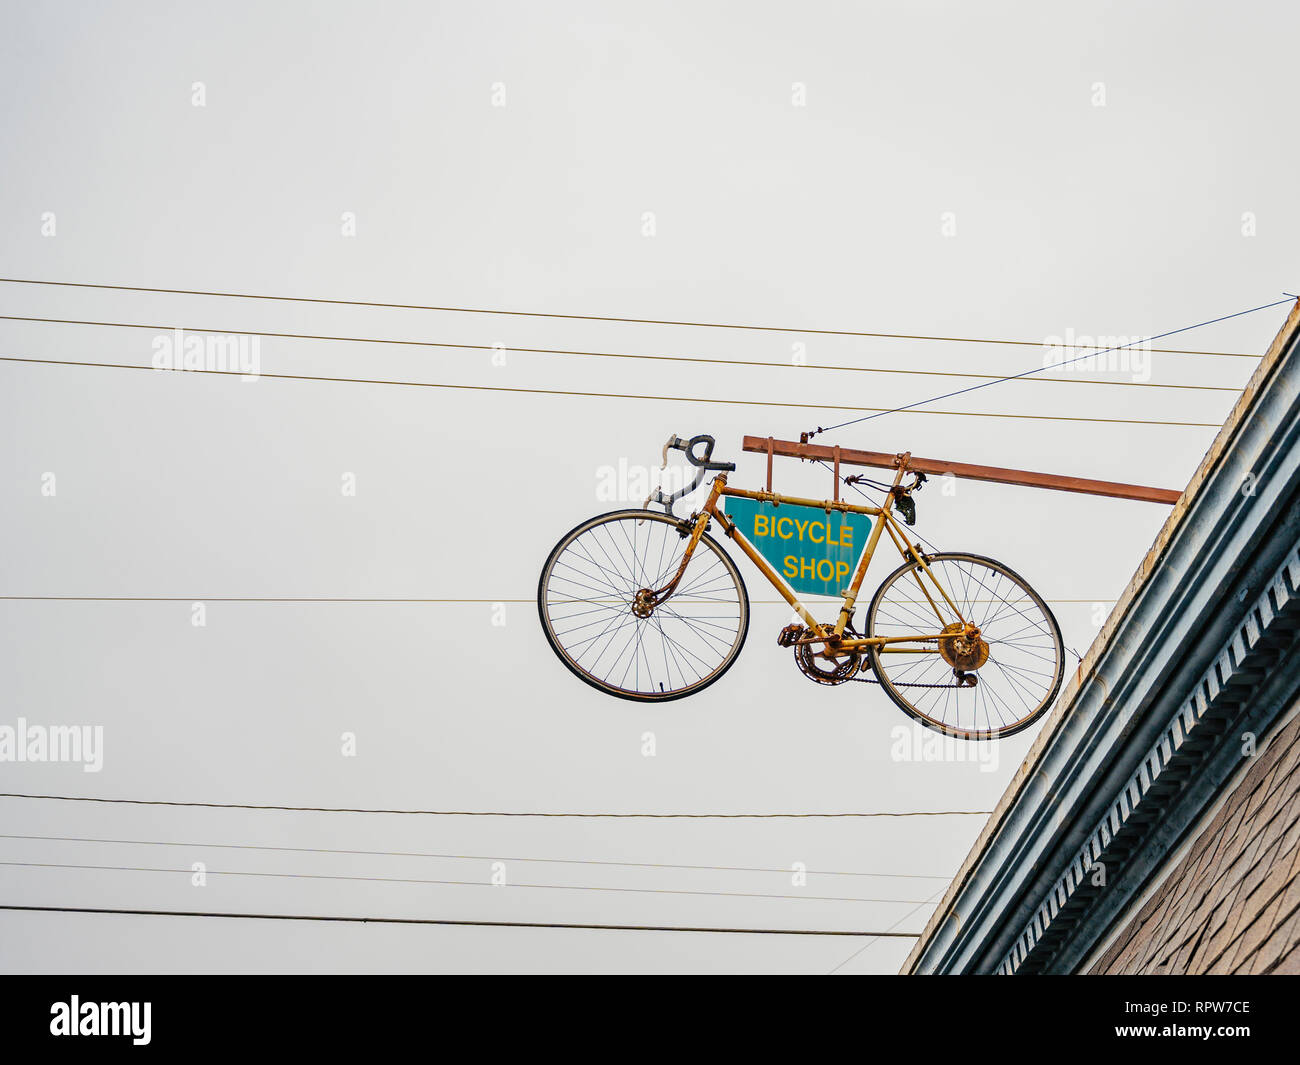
[(648, 606)]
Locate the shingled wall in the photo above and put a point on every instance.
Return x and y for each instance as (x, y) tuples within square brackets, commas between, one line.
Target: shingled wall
[(1232, 905)]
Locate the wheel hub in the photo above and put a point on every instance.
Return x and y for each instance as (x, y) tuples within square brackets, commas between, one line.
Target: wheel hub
[(962, 647)]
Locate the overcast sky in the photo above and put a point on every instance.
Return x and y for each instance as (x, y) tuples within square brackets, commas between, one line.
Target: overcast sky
[(991, 170)]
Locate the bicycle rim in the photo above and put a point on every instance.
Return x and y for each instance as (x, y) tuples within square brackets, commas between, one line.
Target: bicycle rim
[(1025, 661), (585, 597)]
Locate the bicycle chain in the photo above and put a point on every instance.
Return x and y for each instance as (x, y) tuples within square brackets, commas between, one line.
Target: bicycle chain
[(901, 684), (868, 680), (865, 680), (893, 684)]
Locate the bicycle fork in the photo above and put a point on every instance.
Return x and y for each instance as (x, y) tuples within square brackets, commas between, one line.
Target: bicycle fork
[(646, 599)]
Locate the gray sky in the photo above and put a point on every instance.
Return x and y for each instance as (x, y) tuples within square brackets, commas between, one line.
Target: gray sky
[(1125, 219)]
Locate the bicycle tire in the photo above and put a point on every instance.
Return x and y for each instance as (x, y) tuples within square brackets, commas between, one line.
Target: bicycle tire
[(573, 663)]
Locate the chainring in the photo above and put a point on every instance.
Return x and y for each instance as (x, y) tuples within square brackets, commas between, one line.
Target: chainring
[(828, 671)]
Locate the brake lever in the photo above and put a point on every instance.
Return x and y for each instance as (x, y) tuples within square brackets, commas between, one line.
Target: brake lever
[(658, 496), (675, 443)]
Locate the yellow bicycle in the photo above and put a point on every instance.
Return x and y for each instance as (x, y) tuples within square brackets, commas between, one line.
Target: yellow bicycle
[(648, 606)]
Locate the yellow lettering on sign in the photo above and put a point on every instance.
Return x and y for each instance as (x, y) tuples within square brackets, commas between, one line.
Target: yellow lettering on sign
[(822, 552)]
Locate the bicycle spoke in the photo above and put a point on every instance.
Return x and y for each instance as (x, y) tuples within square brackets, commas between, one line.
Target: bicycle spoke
[(671, 647), (1022, 662)]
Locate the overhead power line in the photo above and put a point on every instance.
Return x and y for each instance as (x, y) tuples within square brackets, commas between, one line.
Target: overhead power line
[(466, 924), (446, 883), (620, 355), (608, 395), (566, 317), (235, 599), (912, 407), (930, 901), (345, 599), (488, 813), (469, 857)]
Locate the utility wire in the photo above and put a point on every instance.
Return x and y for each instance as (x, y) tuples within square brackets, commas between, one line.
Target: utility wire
[(1039, 369), (567, 317), (618, 354), (486, 813), (469, 857), (609, 395), (322, 599), (445, 921), (447, 883), (237, 599), (930, 901)]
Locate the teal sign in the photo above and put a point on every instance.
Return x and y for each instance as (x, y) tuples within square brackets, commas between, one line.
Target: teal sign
[(813, 550)]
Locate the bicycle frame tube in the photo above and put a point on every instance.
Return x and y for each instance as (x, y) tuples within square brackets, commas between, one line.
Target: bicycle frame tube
[(820, 632)]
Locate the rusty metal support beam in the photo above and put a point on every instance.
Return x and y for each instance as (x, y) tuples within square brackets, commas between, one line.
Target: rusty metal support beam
[(1025, 478)]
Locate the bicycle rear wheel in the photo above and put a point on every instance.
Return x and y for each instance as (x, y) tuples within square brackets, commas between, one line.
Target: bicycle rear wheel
[(1017, 672), (585, 601)]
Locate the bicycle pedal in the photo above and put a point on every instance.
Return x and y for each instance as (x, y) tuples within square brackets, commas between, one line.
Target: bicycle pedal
[(789, 635)]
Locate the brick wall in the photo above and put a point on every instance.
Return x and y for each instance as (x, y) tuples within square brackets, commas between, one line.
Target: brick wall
[(1232, 905)]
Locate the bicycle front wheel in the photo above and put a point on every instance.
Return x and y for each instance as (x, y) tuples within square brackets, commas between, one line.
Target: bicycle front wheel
[(588, 588), (979, 690)]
